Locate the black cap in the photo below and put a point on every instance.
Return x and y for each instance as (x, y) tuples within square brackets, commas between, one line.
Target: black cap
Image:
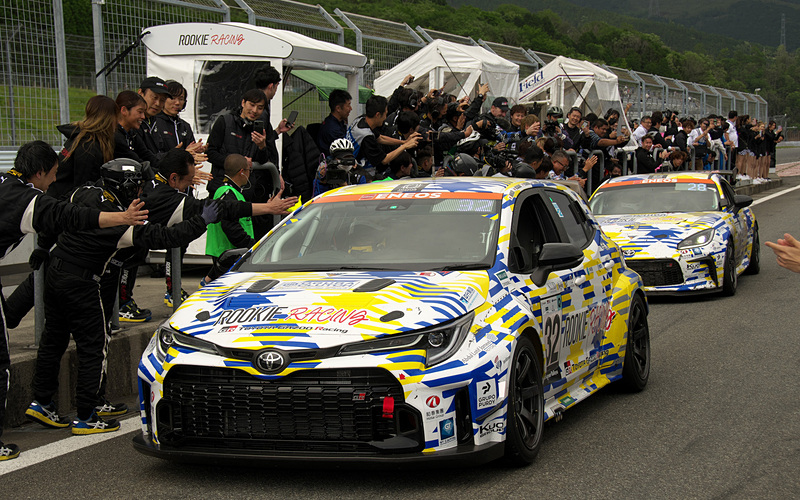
[(501, 102), (155, 84)]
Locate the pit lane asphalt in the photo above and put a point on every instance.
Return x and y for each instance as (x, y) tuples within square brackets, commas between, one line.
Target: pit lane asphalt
[(718, 419)]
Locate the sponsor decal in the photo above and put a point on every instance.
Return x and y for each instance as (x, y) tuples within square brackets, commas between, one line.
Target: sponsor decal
[(447, 431), (485, 346), (487, 393), (433, 401), (497, 362), (567, 400), (502, 276), (659, 181), (434, 414), (251, 314), (360, 396), (469, 297), (317, 285), (206, 39), (497, 425), (401, 196), (693, 266), (555, 286), (328, 315)]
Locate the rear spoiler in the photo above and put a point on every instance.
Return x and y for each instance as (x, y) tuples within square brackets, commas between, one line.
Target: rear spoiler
[(729, 175)]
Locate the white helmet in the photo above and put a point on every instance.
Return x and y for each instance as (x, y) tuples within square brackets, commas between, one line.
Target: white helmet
[(341, 145)]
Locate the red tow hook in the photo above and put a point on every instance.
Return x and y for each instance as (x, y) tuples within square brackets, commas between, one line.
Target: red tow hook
[(388, 407)]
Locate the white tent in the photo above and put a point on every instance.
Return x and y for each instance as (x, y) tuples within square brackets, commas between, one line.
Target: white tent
[(216, 64), (459, 68), (568, 83), (213, 60)]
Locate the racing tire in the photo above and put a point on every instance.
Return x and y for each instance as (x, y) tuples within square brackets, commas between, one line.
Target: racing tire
[(755, 256), (525, 421), (729, 277), (636, 366)]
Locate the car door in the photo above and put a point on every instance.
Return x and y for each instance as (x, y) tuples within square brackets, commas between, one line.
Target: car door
[(738, 221), (532, 226), (590, 293)]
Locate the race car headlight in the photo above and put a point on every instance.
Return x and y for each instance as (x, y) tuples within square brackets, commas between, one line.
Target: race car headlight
[(699, 239), (439, 342), (169, 337)]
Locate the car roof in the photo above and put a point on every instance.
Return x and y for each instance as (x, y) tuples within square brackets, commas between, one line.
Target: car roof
[(714, 175), (487, 185)]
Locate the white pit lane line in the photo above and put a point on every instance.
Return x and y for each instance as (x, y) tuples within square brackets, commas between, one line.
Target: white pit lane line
[(779, 193), (41, 454)]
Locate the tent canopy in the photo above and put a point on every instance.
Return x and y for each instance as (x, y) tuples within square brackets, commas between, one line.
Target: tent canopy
[(326, 82), (571, 83), (460, 69)]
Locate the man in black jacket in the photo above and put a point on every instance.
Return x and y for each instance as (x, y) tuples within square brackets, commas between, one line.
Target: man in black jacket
[(169, 200), (75, 303), (24, 209)]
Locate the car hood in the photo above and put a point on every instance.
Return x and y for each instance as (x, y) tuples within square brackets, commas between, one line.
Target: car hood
[(647, 229), (317, 310)]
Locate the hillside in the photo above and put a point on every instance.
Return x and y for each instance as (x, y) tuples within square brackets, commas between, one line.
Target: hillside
[(682, 24)]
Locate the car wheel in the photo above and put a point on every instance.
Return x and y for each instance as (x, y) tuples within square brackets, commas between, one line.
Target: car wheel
[(636, 366), (525, 405), (755, 256), (730, 278)]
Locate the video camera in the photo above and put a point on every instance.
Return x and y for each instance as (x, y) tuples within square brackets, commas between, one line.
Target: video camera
[(551, 128)]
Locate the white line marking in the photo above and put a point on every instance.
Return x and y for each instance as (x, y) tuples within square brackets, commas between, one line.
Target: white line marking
[(779, 193), (68, 445)]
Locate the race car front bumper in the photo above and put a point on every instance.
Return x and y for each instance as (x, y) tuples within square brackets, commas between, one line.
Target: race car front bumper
[(463, 454)]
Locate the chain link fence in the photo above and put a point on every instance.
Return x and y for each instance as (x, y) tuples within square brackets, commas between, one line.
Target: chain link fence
[(29, 85), (29, 95)]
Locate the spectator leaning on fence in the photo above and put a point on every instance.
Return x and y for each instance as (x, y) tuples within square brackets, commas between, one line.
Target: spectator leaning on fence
[(641, 130), (334, 126)]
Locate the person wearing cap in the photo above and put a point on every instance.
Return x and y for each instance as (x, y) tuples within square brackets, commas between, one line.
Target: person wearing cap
[(154, 91), (78, 292), (499, 107), (24, 209)]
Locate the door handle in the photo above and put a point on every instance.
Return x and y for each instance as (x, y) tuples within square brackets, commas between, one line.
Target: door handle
[(580, 279), (609, 265)]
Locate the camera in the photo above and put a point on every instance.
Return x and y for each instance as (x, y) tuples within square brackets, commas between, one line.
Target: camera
[(497, 159), (551, 127)]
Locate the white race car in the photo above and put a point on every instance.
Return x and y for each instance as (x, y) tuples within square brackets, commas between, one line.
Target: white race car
[(396, 322), (682, 232)]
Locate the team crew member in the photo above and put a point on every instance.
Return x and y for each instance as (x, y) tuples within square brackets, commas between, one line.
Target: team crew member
[(23, 210), (169, 199), (226, 234), (74, 302), (90, 143)]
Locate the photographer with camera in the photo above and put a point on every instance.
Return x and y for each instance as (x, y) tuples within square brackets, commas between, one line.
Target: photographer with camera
[(341, 170), (451, 131), (552, 128)]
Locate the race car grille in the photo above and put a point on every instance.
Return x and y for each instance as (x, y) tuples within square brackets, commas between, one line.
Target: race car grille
[(657, 272), (309, 410)]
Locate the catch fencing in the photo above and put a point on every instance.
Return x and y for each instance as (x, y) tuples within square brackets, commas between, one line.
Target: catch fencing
[(37, 93)]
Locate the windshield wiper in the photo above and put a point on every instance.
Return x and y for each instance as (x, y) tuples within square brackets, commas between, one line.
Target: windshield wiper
[(462, 267)]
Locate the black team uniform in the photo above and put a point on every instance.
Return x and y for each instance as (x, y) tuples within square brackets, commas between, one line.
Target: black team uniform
[(24, 210), (75, 302)]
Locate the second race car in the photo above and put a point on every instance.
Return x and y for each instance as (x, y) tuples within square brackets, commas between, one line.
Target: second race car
[(682, 232)]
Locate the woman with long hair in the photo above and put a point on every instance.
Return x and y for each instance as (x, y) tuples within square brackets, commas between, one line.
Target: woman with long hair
[(90, 143), (745, 158)]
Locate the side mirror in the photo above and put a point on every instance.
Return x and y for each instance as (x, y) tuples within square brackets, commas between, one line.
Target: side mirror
[(742, 200), (522, 261), (555, 257), (229, 258)]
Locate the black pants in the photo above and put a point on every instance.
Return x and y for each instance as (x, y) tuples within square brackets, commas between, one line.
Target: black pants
[(130, 269), (5, 361), (73, 306), (169, 266), (20, 302)]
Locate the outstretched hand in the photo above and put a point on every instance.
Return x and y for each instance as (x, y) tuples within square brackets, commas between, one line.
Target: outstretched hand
[(787, 251)]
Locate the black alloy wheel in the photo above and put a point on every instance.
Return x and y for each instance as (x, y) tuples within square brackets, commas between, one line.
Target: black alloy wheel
[(525, 420), (755, 256), (730, 278), (636, 367)]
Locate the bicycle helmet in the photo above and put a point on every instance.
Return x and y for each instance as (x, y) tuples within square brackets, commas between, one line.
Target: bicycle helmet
[(555, 111)]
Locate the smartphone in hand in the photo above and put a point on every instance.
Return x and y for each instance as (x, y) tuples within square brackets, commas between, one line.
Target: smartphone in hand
[(292, 117), (258, 126)]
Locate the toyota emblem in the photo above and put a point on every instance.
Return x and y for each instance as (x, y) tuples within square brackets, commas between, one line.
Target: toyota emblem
[(628, 253), (270, 361)]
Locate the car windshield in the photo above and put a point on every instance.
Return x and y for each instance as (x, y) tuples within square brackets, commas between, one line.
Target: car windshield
[(452, 231), (637, 197)]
